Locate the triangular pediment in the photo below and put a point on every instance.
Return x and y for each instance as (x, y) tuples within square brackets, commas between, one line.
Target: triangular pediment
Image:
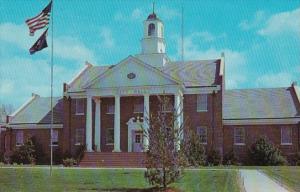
[(131, 72)]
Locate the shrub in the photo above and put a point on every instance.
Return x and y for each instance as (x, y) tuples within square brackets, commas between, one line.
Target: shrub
[(1, 157), (194, 149), (25, 154), (214, 158), (79, 153), (297, 159), (230, 158), (41, 157), (263, 153), (69, 162)]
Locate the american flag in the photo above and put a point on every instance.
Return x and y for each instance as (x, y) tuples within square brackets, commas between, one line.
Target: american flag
[(40, 21)]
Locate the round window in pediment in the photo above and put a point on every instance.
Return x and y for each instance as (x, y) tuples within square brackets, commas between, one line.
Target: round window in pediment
[(131, 75)]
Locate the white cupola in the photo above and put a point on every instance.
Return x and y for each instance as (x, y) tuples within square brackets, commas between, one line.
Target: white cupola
[(153, 42)]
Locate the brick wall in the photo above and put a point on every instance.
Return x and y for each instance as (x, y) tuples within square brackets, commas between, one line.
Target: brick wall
[(253, 132)]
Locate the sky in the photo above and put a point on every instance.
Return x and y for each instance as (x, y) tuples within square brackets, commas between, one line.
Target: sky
[(260, 39)]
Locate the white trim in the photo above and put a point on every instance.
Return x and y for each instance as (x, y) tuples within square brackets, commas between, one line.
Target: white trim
[(87, 66), (202, 90), (261, 121), (124, 61), (286, 144), (239, 144), (222, 65), (79, 114), (35, 126), (297, 90)]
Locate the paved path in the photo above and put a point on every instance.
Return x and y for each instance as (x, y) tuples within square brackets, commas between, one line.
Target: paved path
[(256, 181)]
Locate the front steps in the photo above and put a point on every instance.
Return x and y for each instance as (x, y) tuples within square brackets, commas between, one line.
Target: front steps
[(113, 159)]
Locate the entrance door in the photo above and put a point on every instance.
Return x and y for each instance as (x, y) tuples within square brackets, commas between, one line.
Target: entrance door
[(137, 141)]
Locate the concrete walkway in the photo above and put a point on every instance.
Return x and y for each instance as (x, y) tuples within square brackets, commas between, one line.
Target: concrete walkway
[(256, 181)]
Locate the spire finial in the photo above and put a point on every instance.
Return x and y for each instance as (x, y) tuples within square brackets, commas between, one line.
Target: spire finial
[(153, 6)]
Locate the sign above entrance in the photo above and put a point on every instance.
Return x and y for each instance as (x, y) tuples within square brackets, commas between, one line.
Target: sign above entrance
[(134, 91)]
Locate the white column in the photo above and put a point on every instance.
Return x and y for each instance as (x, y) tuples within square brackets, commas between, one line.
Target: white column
[(88, 128), (146, 120), (179, 112), (117, 125), (98, 124)]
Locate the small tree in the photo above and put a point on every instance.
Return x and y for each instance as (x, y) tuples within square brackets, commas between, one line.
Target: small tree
[(25, 153), (164, 160), (263, 153), (193, 148)]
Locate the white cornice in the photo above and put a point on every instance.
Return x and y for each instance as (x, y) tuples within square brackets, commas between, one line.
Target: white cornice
[(261, 121), (35, 126)]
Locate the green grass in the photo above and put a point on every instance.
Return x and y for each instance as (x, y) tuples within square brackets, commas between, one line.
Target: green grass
[(289, 176), (38, 179)]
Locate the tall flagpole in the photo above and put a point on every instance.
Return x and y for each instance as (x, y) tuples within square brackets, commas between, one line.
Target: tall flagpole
[(51, 102), (182, 37)]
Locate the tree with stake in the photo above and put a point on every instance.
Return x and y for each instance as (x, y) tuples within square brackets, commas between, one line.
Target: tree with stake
[(164, 159)]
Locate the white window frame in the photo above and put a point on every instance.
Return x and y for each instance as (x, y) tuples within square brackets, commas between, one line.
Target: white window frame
[(243, 137), (108, 108), (55, 138), (106, 138), (79, 135), (19, 136), (199, 134), (291, 135), (77, 103), (201, 108)]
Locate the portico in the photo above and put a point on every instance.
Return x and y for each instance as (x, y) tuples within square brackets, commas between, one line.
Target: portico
[(145, 93)]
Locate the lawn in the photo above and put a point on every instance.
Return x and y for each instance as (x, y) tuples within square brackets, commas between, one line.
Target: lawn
[(38, 179), (290, 176)]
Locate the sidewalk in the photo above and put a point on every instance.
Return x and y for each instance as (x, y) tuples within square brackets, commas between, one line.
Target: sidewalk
[(255, 181)]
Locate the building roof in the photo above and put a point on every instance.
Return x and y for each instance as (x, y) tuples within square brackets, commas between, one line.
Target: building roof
[(268, 103), (194, 73), (38, 111), (86, 76), (191, 73)]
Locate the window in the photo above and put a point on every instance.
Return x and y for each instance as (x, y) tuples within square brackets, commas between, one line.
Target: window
[(168, 107), (110, 136), (19, 138), (138, 138), (79, 107), (138, 107), (202, 132), (286, 136), (151, 29), (239, 136), (110, 109), (202, 102), (55, 137), (79, 136)]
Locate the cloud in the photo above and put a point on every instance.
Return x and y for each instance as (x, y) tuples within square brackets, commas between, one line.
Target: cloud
[(281, 79), (64, 47), (107, 40), (282, 22), (166, 13), (234, 60), (139, 14), (259, 17), (136, 15), (20, 76)]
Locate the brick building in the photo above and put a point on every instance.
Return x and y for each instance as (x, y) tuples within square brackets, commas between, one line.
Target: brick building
[(103, 106)]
